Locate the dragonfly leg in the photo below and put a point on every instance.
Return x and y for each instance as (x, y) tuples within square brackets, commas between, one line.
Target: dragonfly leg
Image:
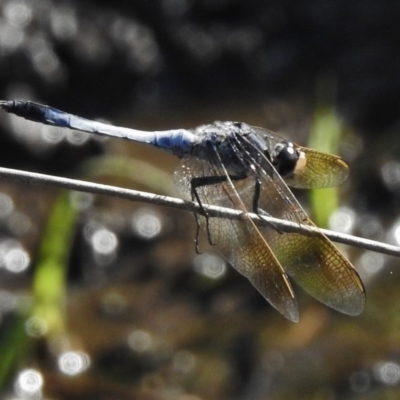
[(256, 196), (256, 209), (206, 181)]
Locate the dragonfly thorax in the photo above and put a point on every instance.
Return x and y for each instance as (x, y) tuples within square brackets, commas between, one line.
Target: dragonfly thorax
[(224, 138), (241, 146)]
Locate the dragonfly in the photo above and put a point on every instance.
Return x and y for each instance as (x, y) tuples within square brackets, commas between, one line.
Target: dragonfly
[(247, 168)]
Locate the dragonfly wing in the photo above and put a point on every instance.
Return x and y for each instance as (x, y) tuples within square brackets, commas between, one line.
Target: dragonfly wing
[(311, 259), (320, 269), (319, 170), (239, 241)]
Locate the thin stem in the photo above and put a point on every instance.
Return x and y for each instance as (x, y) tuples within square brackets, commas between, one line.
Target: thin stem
[(213, 211)]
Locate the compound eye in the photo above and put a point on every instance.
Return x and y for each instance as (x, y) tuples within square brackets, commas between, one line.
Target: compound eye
[(285, 158)]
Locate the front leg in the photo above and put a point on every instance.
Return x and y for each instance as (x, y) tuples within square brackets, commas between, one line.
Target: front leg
[(256, 209)]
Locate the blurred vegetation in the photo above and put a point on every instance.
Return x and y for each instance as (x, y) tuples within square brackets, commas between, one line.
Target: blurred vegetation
[(325, 135)]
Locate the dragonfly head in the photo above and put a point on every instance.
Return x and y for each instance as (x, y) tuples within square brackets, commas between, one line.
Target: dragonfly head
[(286, 159)]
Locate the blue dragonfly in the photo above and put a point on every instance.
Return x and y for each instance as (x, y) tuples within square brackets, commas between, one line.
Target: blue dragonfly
[(235, 165)]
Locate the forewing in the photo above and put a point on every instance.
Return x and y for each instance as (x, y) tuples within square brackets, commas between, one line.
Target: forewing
[(317, 170), (239, 241), (321, 170), (311, 259)]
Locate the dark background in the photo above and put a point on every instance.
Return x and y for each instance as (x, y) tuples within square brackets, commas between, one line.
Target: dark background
[(180, 63)]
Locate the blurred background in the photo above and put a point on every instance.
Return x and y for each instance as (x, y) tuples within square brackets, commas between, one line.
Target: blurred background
[(101, 298)]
